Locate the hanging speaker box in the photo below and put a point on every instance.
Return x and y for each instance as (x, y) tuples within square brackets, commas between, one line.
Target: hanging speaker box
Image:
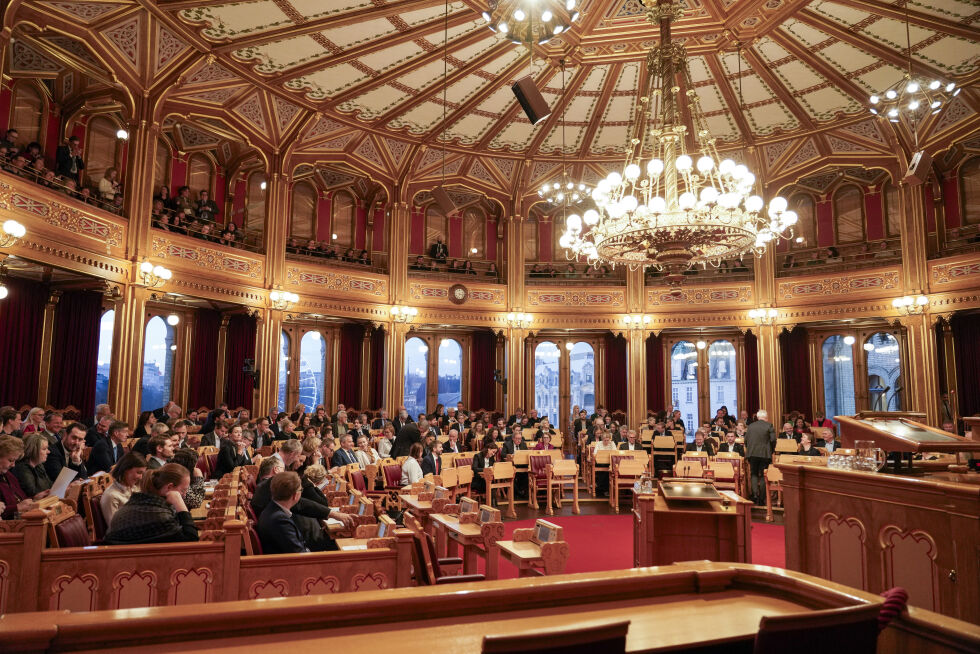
[(443, 200), (531, 101), (918, 168)]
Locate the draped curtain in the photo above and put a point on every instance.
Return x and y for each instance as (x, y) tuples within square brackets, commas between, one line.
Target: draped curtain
[(482, 362), (204, 360), (751, 401), (615, 373), (349, 382), (241, 346), (376, 388), (75, 351), (656, 375), (796, 372), (21, 324), (966, 346)]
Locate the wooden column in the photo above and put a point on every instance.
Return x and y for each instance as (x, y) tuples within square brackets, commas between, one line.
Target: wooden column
[(268, 334), (220, 380), (951, 382), (332, 374), (126, 367), (399, 227), (515, 265), (922, 381), (516, 373), (636, 380), (770, 372), (395, 363), (914, 236), (183, 368), (138, 180), (365, 368), (276, 226), (47, 338), (500, 363)]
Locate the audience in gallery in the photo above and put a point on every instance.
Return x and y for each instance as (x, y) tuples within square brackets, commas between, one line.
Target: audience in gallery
[(326, 250), (181, 214)]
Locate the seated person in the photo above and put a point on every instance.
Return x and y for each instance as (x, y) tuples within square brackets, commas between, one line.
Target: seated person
[(806, 449), (348, 255), (127, 476), (187, 457), (544, 428), (544, 442), (453, 445), (277, 531), (293, 246), (491, 270), (327, 250), (13, 499), (161, 450), (604, 442), (159, 217), (432, 462), (366, 455), (731, 446), (109, 184), (439, 251), (206, 209), (365, 259), (883, 251), (387, 440), (315, 479), (485, 458), (833, 256), (156, 514), (513, 443), (787, 431), (700, 444), (631, 442), (68, 453), (232, 453), (412, 466), (29, 471)]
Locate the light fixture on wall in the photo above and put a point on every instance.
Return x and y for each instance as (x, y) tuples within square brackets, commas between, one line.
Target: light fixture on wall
[(637, 321), (173, 319), (3, 278), (763, 316), (519, 319), (263, 185), (13, 231), (315, 333), (153, 276), (403, 314), (122, 134), (849, 340), (909, 305), (282, 300)]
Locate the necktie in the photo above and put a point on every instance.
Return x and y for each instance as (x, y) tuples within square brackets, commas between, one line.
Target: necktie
[(117, 452)]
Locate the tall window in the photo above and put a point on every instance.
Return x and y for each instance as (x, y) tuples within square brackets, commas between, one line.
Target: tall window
[(546, 361), (159, 349), (723, 377), (450, 372), (838, 377), (416, 371), (884, 363), (100, 148), (342, 218), (474, 234), (806, 226), (312, 363), (304, 211), (849, 214), (436, 226), (529, 233), (283, 369), (161, 166), (970, 188), (105, 357), (581, 371), (684, 382), (255, 205), (27, 114), (200, 174), (893, 210)]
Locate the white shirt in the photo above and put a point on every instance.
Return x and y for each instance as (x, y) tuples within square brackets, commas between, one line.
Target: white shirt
[(411, 472), (384, 447), (163, 462), (112, 498), (367, 458)]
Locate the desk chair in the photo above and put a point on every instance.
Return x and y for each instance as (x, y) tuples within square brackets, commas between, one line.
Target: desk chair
[(846, 629), (787, 446), (537, 477), (560, 474), (664, 455), (429, 569), (724, 475), (501, 477), (738, 466), (774, 484), (622, 475), (66, 528), (689, 469), (609, 638)]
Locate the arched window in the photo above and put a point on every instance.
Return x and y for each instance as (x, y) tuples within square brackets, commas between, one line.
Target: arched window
[(161, 166), (450, 372), (312, 363), (474, 234), (893, 210), (105, 357), (838, 376), (529, 234), (255, 204), (581, 371), (684, 383), (546, 361), (27, 113), (806, 226), (283, 369), (159, 349), (884, 364), (100, 149), (436, 226), (416, 376), (849, 214), (970, 188), (304, 211), (200, 174), (342, 219), (722, 378)]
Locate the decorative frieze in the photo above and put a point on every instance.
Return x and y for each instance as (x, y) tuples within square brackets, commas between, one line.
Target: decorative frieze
[(180, 249), (875, 284)]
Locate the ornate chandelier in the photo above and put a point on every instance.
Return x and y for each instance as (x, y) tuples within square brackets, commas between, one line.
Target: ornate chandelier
[(525, 21), (671, 207)]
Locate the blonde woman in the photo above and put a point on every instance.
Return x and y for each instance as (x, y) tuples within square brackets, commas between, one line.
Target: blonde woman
[(109, 184), (34, 421), (366, 455)]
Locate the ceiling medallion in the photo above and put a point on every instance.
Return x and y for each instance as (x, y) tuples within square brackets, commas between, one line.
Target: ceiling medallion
[(458, 294), (689, 208), (524, 21)]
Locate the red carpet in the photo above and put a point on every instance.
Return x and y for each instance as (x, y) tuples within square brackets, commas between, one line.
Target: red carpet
[(605, 542)]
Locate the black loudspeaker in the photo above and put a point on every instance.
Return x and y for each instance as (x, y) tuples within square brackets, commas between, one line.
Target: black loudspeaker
[(443, 200), (531, 101), (918, 168)]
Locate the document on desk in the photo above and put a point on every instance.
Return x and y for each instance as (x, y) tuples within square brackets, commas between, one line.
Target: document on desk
[(334, 522), (65, 477)]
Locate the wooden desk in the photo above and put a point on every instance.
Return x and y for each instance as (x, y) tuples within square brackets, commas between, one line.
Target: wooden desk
[(477, 541), (352, 544), (666, 532), (667, 607)]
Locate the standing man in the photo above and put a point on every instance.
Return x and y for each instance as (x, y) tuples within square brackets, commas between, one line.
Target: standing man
[(760, 440), (68, 160)]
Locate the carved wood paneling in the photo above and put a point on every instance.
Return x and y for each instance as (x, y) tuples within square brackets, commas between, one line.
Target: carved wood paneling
[(74, 593), (133, 590), (573, 299), (434, 292), (908, 559), (188, 253), (819, 289), (712, 295), (338, 282), (843, 556)]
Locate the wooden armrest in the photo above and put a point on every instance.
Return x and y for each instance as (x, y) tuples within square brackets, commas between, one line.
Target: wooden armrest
[(522, 535), (458, 579)]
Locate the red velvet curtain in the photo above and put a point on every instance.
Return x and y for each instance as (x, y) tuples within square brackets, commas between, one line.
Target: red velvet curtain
[(21, 323), (966, 345), (204, 360), (482, 362), (349, 383), (241, 346), (796, 372), (656, 375), (615, 373), (751, 401), (376, 387), (75, 351)]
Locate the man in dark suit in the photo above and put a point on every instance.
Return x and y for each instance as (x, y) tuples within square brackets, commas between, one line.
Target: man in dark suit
[(345, 455), (731, 446), (516, 442), (381, 421), (107, 451), (700, 444), (67, 452), (101, 411), (439, 251), (403, 440), (631, 442), (432, 462), (400, 421), (68, 160), (99, 431), (231, 454), (263, 434), (307, 514), (214, 438), (277, 531), (760, 440)]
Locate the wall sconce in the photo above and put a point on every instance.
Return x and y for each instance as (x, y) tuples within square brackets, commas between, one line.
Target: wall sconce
[(13, 231), (282, 300), (122, 134), (154, 276), (636, 322), (403, 314), (519, 319), (909, 305), (763, 316)]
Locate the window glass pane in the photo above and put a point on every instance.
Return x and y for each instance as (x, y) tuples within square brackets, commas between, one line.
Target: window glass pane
[(684, 383), (838, 377), (970, 181), (312, 362), (546, 361), (159, 348), (581, 371), (283, 369), (100, 149), (304, 211), (529, 231), (105, 357), (893, 210), (450, 372), (28, 110), (806, 225), (884, 361), (849, 214), (723, 378), (474, 234), (416, 372), (199, 175), (255, 206), (161, 166), (342, 222)]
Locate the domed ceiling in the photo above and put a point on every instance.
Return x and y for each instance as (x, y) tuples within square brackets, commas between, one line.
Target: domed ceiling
[(298, 71)]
